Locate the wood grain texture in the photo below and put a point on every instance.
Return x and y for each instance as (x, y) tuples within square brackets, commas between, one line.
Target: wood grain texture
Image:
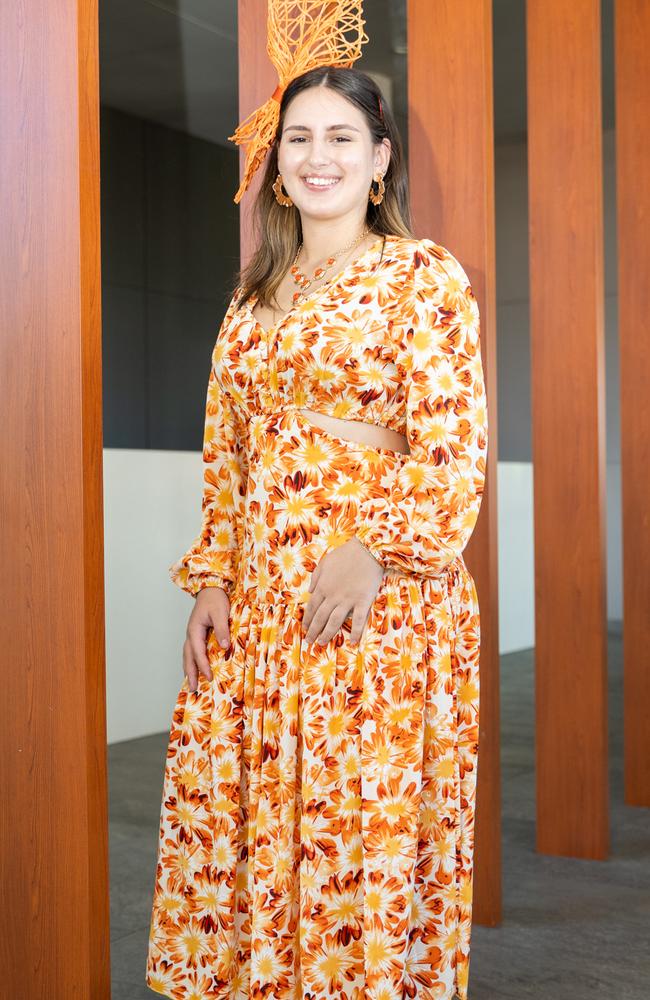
[(258, 79), (632, 71), (568, 423), (451, 171), (55, 929)]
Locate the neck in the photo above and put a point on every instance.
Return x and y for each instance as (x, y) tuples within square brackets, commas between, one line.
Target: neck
[(323, 237)]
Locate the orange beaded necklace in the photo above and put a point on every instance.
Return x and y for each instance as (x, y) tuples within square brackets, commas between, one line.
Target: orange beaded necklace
[(304, 282)]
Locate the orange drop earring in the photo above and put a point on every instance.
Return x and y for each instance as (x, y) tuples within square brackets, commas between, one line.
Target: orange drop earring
[(281, 195), (376, 197)]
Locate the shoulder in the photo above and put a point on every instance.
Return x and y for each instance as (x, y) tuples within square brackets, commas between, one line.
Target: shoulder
[(439, 281), (437, 291), (435, 262), (427, 263)]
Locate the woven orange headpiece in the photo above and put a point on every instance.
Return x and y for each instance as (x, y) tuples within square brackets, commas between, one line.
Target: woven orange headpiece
[(301, 35)]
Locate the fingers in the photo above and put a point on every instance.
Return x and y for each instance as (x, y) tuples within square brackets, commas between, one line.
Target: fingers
[(326, 622), (197, 642), (310, 610), (195, 654), (220, 628), (322, 623), (190, 668), (359, 618)]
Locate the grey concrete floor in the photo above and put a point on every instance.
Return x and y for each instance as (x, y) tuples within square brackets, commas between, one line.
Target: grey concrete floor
[(571, 929)]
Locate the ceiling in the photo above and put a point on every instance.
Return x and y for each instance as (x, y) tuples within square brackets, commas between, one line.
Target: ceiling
[(175, 62)]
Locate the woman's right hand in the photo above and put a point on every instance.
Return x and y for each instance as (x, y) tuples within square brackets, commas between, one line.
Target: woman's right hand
[(211, 611)]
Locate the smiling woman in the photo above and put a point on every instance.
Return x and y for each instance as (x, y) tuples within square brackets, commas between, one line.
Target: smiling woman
[(316, 834)]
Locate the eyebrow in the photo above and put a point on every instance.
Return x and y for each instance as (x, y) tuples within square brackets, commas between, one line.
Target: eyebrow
[(330, 128)]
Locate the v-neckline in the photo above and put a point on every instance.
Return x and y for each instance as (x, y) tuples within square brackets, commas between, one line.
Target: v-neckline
[(322, 288)]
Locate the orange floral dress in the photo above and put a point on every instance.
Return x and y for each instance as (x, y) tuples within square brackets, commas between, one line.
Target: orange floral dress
[(317, 820)]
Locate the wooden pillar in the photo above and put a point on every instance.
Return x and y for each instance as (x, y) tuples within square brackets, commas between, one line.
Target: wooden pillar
[(55, 929), (451, 171), (568, 415), (258, 79), (632, 41)]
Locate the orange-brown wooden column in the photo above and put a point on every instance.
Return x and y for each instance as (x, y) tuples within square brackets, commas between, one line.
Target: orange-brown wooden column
[(258, 79), (632, 43), (451, 169), (54, 933), (568, 418)]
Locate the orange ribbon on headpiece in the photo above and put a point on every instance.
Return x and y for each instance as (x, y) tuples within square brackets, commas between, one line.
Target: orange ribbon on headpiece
[(301, 35)]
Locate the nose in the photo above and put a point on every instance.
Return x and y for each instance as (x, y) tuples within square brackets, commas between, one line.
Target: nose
[(319, 153)]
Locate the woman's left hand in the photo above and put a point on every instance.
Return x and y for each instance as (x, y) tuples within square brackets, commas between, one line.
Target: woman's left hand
[(346, 579)]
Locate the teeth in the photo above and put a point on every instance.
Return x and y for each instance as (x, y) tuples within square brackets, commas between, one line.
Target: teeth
[(322, 182)]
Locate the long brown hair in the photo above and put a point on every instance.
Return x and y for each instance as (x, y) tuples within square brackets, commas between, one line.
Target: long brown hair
[(280, 226)]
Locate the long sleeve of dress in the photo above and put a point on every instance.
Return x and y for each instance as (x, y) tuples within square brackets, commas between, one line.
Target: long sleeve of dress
[(420, 521), (213, 559)]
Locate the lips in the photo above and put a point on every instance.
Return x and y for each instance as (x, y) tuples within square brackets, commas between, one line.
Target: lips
[(331, 182)]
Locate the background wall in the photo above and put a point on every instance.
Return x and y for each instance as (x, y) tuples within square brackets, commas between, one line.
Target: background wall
[(170, 250)]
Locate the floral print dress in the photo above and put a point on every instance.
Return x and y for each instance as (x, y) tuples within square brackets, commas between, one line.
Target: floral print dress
[(317, 820)]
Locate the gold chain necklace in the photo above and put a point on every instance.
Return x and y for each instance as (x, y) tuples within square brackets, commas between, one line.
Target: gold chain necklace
[(304, 282)]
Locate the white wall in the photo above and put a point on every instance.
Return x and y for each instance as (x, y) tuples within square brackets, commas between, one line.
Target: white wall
[(152, 504)]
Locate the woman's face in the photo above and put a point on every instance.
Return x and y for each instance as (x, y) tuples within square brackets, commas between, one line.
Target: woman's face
[(325, 136)]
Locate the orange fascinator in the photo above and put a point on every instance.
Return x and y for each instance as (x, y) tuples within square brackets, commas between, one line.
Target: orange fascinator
[(301, 35)]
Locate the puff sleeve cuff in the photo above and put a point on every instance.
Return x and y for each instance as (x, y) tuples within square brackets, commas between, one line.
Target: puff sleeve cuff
[(213, 559), (422, 519)]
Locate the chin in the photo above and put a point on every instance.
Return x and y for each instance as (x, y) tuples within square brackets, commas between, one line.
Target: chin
[(327, 207), (330, 212)]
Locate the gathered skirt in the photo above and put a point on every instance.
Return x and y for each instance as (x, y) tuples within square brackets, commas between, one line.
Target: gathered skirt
[(317, 822)]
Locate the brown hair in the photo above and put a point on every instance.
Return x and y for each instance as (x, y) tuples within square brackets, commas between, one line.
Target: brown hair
[(280, 226)]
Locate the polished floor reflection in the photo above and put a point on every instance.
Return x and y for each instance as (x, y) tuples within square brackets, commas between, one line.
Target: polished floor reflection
[(572, 928)]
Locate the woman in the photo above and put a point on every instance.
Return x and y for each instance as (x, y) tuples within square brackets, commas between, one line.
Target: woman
[(316, 834)]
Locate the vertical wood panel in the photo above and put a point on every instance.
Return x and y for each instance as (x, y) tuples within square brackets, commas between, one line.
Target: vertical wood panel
[(568, 417), (451, 170), (54, 862), (91, 459), (258, 79), (632, 44)]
